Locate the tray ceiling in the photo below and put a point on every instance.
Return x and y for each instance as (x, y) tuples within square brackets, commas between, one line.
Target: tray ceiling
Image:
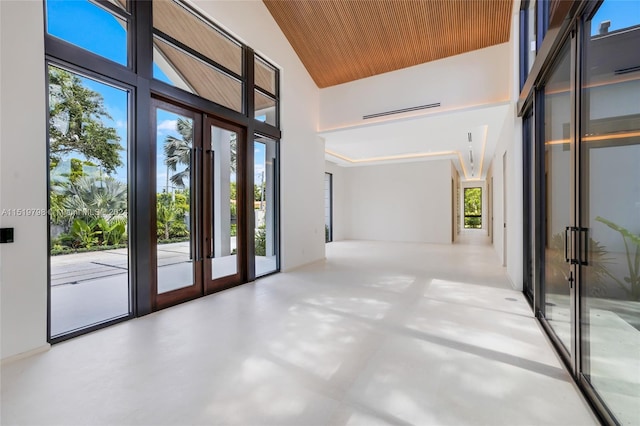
[(344, 40)]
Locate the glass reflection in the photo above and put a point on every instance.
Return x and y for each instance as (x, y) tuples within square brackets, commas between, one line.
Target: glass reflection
[(88, 200), (610, 154), (265, 205), (174, 147), (557, 160)]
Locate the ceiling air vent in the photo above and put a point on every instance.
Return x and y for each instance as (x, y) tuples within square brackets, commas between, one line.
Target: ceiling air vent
[(627, 70), (400, 111)]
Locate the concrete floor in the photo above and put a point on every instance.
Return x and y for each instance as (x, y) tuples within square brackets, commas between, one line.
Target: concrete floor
[(380, 333)]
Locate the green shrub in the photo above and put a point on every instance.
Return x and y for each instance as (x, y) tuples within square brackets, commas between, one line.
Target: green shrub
[(261, 241)]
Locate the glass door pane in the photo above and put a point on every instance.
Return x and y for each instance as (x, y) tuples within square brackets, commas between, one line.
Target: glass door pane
[(88, 199), (265, 205), (610, 210), (558, 168), (223, 204), (176, 257)]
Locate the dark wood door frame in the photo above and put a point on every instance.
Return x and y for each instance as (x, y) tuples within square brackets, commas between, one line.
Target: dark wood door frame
[(202, 199), (173, 297)]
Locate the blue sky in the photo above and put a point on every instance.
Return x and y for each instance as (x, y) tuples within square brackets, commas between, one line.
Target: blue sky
[(621, 13)]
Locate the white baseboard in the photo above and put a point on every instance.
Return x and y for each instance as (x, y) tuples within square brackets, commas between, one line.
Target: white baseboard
[(313, 262), (22, 355)]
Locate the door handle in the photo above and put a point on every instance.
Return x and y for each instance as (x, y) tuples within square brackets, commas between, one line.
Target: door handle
[(195, 194), (566, 244), (212, 203), (192, 203), (583, 242)]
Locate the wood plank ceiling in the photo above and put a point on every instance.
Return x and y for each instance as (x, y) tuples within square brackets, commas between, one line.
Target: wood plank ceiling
[(344, 40)]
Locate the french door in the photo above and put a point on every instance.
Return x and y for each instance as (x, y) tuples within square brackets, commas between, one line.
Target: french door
[(197, 178)]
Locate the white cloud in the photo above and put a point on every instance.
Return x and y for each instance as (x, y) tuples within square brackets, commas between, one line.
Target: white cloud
[(258, 169), (168, 125)]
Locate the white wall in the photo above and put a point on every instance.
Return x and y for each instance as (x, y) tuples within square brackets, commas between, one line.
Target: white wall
[(340, 218), (301, 151), (510, 142), (473, 78), (400, 202), (23, 264)]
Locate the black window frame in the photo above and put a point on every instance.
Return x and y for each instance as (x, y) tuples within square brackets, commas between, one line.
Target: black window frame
[(137, 77)]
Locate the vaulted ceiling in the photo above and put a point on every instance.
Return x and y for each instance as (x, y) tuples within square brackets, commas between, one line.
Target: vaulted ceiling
[(344, 40)]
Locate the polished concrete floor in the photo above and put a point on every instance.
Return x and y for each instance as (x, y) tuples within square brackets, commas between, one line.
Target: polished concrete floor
[(380, 333)]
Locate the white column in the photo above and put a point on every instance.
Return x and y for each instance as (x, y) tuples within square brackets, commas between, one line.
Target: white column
[(222, 194), (270, 154)]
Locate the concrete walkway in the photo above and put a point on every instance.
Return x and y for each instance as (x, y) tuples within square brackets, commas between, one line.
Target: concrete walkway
[(93, 287)]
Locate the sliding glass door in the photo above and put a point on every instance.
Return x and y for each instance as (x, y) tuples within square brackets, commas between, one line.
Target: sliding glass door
[(586, 155), (610, 208), (558, 169)]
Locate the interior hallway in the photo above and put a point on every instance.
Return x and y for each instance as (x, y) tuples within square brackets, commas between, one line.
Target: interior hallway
[(380, 333)]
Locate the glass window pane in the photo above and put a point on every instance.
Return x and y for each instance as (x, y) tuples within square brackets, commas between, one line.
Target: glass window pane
[(174, 143), (265, 76), (265, 205), (88, 201), (610, 154), (265, 109), (174, 20), (88, 26), (557, 160), (531, 35), (473, 208), (182, 70), (224, 192)]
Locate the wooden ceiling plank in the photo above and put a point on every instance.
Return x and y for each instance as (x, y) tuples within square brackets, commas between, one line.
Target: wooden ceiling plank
[(345, 40)]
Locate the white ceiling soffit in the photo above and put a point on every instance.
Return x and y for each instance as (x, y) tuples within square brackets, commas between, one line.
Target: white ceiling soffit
[(433, 136)]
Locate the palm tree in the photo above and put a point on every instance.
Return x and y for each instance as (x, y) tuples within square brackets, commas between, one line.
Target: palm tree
[(178, 151), (93, 194)]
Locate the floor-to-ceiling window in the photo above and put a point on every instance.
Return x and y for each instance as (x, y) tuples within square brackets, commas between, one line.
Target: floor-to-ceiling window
[(557, 213), (585, 201), (89, 170), (158, 189), (88, 201), (267, 233), (609, 207), (529, 202)]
